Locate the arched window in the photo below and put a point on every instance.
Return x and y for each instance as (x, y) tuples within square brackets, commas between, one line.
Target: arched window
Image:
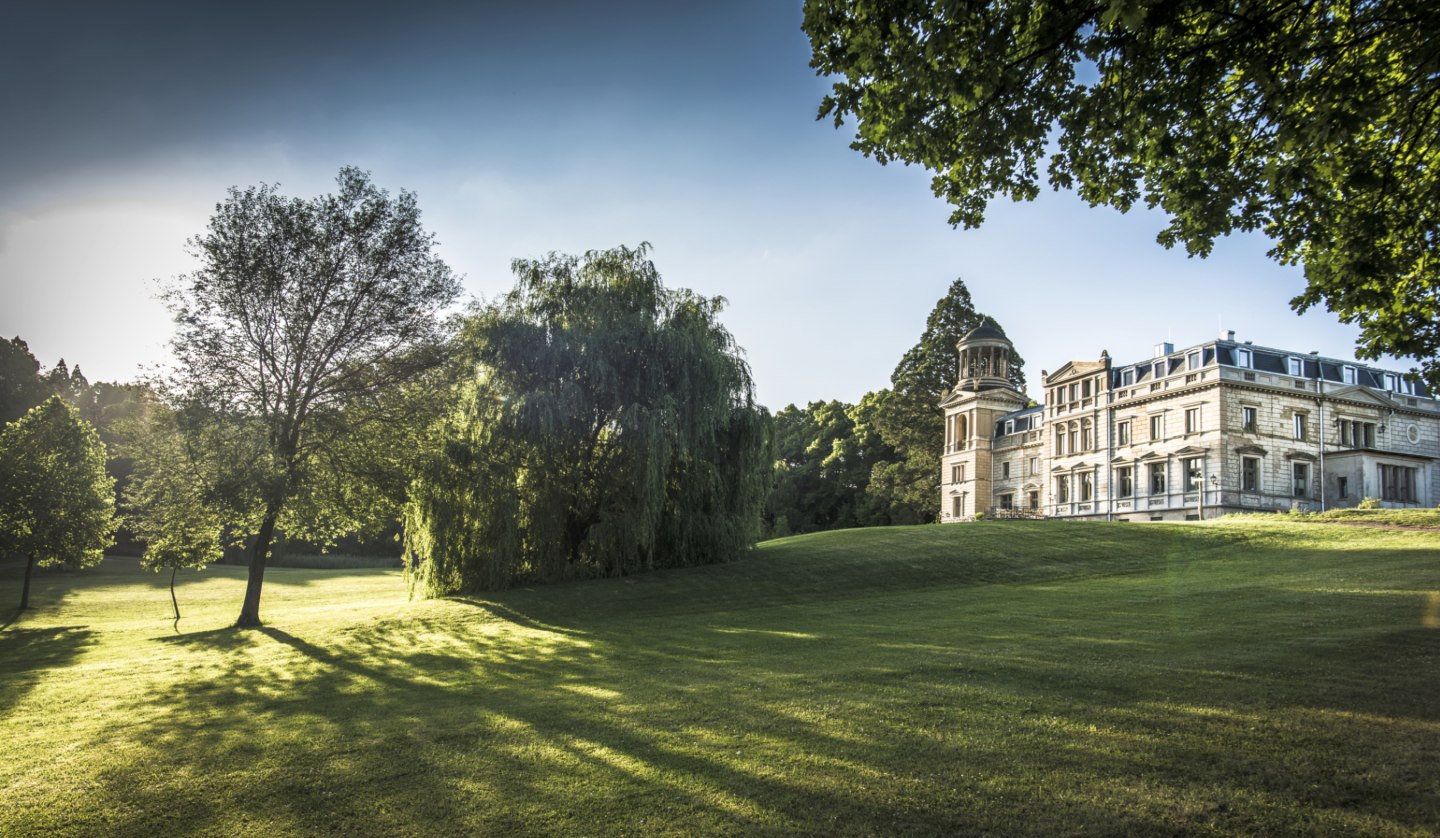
[(1060, 438), (1087, 437)]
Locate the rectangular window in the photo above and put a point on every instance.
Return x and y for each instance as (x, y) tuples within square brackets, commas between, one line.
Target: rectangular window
[(1034, 465), (1062, 489), (1347, 375), (1344, 485), (1074, 439), (1127, 377), (1157, 478), (1397, 483), (1194, 473), (1034, 500), (1159, 369), (1087, 486), (1192, 361), (1004, 470), (1085, 389), (1157, 427), (957, 507), (1392, 382), (1122, 433), (1192, 420), (1301, 474), (1243, 358), (1060, 440), (1250, 474), (1249, 419), (1302, 425), (957, 474), (1296, 367), (1007, 501), (1074, 391), (1125, 480), (1009, 426), (1086, 442)]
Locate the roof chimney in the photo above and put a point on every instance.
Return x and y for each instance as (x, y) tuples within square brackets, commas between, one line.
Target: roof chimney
[(1163, 349), (1228, 335)]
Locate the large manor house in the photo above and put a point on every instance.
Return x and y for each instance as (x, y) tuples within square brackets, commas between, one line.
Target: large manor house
[(1221, 427)]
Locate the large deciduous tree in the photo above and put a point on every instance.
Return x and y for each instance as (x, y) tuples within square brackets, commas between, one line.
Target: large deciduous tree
[(610, 427), (1317, 123), (302, 313), (57, 504)]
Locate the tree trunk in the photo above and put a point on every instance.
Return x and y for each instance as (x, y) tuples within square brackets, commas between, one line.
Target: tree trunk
[(260, 551), (25, 592), (173, 601)]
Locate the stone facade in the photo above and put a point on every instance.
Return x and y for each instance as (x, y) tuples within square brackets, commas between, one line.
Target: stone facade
[(1221, 427)]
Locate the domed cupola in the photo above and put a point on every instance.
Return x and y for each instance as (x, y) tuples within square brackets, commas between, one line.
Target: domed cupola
[(985, 358)]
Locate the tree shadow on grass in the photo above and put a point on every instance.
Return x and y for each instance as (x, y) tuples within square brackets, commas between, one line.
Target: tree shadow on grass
[(27, 656)]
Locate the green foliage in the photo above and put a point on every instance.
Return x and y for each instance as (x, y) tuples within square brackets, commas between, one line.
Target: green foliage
[(171, 504), (876, 463), (824, 454), (304, 316), (1314, 123), (1368, 503), (979, 515), (57, 504), (908, 418), (609, 427), (21, 386)]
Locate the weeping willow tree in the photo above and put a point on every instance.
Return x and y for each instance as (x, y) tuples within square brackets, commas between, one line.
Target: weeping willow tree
[(610, 427)]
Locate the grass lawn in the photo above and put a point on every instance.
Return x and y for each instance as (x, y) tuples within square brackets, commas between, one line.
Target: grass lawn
[(1003, 677)]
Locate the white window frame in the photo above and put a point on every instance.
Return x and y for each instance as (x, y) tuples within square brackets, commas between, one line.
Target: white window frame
[(1248, 461), (1244, 358), (1295, 366), (1347, 375)]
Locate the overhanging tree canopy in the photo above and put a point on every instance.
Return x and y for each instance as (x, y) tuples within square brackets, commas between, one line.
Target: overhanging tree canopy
[(1317, 123), (610, 427)]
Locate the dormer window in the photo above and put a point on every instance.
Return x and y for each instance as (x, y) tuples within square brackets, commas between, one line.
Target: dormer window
[(1296, 367), (1392, 382), (1347, 375), (1159, 369), (1127, 377), (1192, 361), (1009, 426), (1244, 358)]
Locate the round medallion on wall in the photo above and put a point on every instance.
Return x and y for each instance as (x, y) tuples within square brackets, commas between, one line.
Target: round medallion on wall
[(1412, 433)]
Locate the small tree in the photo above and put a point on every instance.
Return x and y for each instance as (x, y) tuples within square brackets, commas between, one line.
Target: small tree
[(57, 504), (171, 503)]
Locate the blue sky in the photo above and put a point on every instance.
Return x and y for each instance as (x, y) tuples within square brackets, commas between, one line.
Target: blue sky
[(566, 126)]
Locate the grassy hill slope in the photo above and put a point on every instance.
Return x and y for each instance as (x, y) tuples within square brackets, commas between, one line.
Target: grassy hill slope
[(1012, 677)]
